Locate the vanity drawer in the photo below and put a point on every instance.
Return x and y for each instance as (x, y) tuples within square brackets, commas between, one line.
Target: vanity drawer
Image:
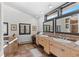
[(56, 51), (59, 50), (74, 53)]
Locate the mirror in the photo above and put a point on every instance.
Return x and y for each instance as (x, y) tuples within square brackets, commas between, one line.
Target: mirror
[(48, 26), (69, 24), (5, 28)]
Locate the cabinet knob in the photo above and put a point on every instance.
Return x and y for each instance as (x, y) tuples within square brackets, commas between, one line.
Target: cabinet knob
[(62, 49), (51, 44)]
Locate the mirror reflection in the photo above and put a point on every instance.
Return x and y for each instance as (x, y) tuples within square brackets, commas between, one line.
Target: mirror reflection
[(68, 24), (48, 26)]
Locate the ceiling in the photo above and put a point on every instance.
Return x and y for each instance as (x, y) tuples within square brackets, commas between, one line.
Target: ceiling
[(35, 9)]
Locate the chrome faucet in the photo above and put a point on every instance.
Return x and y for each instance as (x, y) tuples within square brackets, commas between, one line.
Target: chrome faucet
[(62, 36)]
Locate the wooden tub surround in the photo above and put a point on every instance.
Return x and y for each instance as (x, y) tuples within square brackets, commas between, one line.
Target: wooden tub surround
[(10, 48), (60, 49)]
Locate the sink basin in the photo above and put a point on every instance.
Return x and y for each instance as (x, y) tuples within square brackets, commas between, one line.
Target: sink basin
[(62, 40), (45, 35), (77, 42)]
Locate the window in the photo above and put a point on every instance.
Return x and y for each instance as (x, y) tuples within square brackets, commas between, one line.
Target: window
[(5, 28), (71, 8), (24, 28), (52, 15), (46, 28)]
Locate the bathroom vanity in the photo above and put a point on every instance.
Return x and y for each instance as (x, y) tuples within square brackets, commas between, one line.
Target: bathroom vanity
[(58, 47)]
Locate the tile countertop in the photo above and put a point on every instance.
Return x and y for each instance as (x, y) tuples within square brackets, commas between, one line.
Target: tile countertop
[(9, 43)]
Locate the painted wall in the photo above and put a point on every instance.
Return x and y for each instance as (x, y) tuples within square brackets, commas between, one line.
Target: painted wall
[(1, 38), (40, 24), (14, 16)]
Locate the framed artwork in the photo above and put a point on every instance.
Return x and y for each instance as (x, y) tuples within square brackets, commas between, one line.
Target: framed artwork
[(13, 27), (33, 28), (5, 28)]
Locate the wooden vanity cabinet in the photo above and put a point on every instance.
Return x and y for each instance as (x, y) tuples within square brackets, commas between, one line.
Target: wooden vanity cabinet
[(6, 51), (11, 49), (59, 50), (47, 45), (62, 51), (43, 41), (14, 46)]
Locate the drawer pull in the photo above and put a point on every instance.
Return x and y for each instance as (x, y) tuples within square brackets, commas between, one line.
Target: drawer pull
[(51, 44), (62, 49)]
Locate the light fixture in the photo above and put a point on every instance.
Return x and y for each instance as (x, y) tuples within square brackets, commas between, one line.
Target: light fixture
[(41, 12), (50, 6)]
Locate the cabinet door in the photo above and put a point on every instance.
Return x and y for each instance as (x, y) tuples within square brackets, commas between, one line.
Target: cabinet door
[(47, 50), (15, 47), (6, 51), (11, 49), (37, 40), (55, 50)]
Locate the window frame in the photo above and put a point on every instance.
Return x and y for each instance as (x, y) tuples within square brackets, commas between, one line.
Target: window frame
[(67, 7), (46, 28), (55, 12), (25, 24), (49, 25)]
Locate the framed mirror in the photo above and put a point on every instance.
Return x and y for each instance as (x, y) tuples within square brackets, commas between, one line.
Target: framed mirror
[(24, 28), (68, 24), (48, 26), (5, 28)]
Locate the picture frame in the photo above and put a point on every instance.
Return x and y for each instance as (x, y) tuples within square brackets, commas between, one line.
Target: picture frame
[(34, 28), (13, 27)]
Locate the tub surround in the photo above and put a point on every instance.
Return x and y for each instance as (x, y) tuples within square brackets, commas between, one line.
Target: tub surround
[(57, 46), (6, 44), (10, 47)]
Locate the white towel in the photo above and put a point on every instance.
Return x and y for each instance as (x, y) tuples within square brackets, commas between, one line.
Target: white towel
[(36, 53)]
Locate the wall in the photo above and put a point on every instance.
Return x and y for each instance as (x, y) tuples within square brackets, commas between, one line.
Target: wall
[(1, 38), (40, 24), (14, 16)]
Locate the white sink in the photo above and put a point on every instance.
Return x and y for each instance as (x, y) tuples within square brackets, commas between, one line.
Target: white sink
[(77, 42), (62, 40), (45, 35)]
